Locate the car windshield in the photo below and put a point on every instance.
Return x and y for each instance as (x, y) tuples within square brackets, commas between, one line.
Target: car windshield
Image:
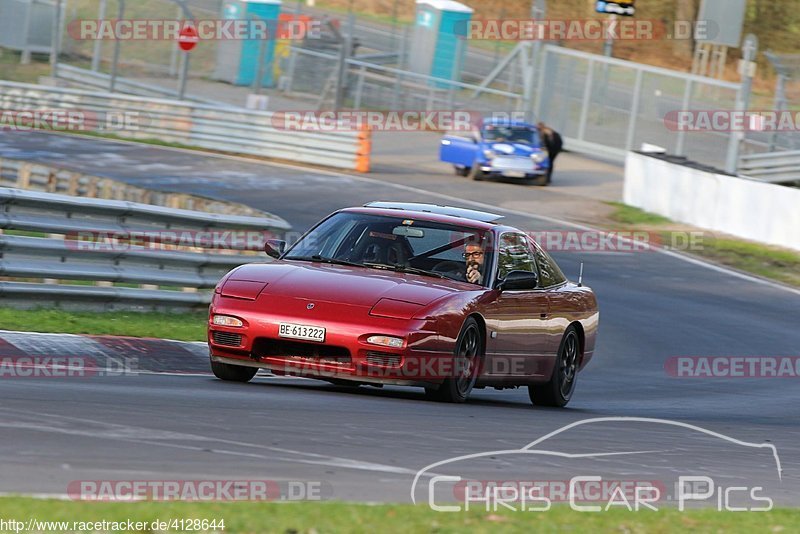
[(397, 243), (511, 134)]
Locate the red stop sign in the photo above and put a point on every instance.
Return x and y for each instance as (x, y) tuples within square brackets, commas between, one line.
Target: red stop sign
[(187, 38)]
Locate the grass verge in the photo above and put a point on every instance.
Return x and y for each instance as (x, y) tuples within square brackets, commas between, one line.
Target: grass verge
[(766, 261), (179, 326), (12, 69), (337, 517)]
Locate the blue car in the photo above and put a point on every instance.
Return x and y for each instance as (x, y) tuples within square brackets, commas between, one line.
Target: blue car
[(497, 147)]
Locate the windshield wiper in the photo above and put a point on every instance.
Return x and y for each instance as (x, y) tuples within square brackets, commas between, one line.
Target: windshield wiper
[(319, 259), (404, 269)]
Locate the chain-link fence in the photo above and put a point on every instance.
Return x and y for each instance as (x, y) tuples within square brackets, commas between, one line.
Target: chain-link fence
[(621, 105)]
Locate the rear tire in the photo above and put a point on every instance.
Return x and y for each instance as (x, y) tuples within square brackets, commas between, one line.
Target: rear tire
[(233, 373), (558, 390), (462, 171), (467, 357), (476, 173)]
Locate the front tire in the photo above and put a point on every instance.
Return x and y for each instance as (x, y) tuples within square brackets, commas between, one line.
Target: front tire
[(467, 358), (558, 390), (233, 373)]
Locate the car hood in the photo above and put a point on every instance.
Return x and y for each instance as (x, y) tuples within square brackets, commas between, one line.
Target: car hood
[(343, 284), (512, 149)]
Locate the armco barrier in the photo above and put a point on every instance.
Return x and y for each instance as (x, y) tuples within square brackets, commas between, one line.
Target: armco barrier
[(227, 129), (733, 205), (50, 179), (775, 167), (179, 249)]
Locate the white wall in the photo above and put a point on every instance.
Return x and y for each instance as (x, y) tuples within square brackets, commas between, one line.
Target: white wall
[(744, 208)]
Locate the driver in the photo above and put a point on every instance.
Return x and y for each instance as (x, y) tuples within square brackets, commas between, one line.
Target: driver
[(474, 256)]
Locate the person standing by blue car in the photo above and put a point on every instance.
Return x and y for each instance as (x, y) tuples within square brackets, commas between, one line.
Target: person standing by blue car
[(554, 145)]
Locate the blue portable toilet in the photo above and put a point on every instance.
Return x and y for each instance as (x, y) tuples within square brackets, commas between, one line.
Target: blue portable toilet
[(439, 41), (237, 60)]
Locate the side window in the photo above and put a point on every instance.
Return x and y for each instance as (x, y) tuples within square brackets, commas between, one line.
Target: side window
[(513, 255), (549, 273)]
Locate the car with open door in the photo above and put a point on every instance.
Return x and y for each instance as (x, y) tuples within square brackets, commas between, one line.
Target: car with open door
[(497, 147)]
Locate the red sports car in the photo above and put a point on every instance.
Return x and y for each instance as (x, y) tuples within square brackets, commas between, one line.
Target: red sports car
[(445, 298)]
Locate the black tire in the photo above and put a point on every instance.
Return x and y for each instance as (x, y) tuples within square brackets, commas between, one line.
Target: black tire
[(468, 356), (462, 171), (539, 180), (344, 383), (559, 389), (233, 373), (476, 173)]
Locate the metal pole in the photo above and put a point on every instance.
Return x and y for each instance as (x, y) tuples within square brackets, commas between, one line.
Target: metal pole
[(779, 105), (173, 55), (56, 40), (637, 96), (101, 14), (115, 61), (687, 100), (257, 82), (538, 12), (749, 51), (25, 56), (394, 25), (341, 70), (184, 74), (587, 94), (537, 104), (608, 47)]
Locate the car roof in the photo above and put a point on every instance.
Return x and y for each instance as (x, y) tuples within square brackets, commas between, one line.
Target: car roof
[(436, 209), (500, 121)]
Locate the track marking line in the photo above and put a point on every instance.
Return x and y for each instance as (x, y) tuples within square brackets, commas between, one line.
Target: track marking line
[(128, 433)]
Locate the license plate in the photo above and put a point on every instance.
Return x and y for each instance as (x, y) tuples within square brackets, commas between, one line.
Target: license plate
[(301, 331), (514, 174)]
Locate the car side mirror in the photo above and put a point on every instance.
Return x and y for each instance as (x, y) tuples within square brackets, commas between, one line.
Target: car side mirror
[(274, 247), (518, 280)]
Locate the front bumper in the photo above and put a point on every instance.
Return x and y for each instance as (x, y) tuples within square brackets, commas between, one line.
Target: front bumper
[(514, 167), (424, 359)]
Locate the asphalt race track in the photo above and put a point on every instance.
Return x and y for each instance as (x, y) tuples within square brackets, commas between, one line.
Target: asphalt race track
[(367, 444)]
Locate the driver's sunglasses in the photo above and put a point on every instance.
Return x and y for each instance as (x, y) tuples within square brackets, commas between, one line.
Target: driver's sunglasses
[(468, 255)]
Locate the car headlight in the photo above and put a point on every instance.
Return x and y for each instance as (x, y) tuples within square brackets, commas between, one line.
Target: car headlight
[(386, 341), (538, 157), (489, 154), (226, 320)]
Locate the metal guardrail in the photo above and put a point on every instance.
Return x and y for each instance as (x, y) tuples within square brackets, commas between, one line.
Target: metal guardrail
[(772, 167), (49, 179), (99, 80), (116, 242), (236, 130)]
